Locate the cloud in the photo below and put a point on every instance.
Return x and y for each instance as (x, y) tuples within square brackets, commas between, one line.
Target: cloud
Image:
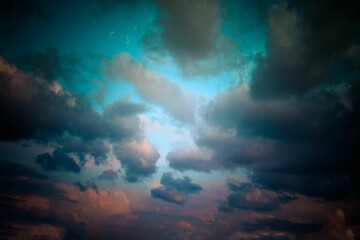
[(265, 235), (279, 139), (138, 159), (334, 229), (175, 190), (190, 29), (247, 196), (169, 195), (42, 208), (9, 169), (181, 185), (57, 111), (37, 231), (15, 17), (282, 225), (151, 86), (108, 175), (301, 51), (191, 34), (58, 161), (197, 159), (40, 110), (86, 185)]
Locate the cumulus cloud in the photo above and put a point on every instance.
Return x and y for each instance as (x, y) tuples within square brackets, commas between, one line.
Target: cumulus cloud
[(279, 124), (36, 109), (175, 190), (138, 159), (43, 110), (191, 34), (279, 139), (151, 86), (57, 161)]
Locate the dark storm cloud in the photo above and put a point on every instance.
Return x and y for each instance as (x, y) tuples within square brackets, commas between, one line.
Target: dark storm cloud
[(108, 175), (14, 15), (8, 169), (48, 64), (297, 121), (96, 148), (175, 190), (44, 110), (57, 161), (287, 142), (305, 42), (283, 225)]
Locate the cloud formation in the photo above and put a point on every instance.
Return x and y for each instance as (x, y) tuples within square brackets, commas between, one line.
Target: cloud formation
[(298, 58), (190, 29), (35, 109), (247, 196), (190, 35), (175, 190), (151, 86), (57, 161), (138, 159)]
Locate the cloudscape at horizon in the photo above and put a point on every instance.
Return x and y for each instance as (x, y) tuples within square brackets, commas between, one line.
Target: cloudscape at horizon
[(179, 119)]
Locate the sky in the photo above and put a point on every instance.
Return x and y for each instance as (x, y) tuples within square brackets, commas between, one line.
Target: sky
[(179, 119)]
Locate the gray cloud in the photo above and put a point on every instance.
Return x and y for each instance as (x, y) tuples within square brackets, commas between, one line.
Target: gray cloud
[(169, 195), (282, 225), (286, 139), (138, 159), (45, 110), (304, 47), (191, 34), (87, 185), (183, 160), (190, 29), (57, 161), (175, 190), (181, 185), (247, 196), (41, 110), (151, 86)]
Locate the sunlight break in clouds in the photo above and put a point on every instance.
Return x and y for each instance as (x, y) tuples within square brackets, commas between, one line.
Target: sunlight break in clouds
[(179, 119)]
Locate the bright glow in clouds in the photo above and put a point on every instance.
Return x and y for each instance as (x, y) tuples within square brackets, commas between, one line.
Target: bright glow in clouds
[(179, 119)]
